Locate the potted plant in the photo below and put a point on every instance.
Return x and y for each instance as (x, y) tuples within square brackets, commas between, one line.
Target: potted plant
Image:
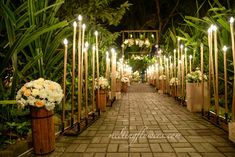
[(42, 96), (103, 87), (194, 91), (162, 83), (125, 81), (173, 86)]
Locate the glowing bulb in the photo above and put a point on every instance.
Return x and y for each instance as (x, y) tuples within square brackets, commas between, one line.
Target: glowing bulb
[(181, 46), (93, 48), (174, 50)]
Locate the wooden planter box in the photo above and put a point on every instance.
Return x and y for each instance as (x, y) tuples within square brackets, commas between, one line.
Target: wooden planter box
[(118, 85), (173, 90), (124, 87), (162, 86), (102, 100), (194, 97), (231, 131), (43, 130)]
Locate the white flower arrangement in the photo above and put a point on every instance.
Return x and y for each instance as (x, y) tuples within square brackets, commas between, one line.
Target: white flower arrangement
[(103, 83), (118, 75), (174, 81), (125, 80), (162, 77), (40, 93), (195, 77), (136, 76)]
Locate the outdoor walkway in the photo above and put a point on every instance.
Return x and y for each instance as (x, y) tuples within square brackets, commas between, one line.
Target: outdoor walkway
[(156, 125)]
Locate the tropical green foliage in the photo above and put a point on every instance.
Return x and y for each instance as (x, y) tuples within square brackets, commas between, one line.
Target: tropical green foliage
[(194, 31)]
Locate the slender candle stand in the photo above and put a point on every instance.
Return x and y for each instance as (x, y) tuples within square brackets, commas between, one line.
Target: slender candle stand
[(202, 71), (97, 69), (64, 82), (73, 72), (79, 72), (86, 81), (93, 81), (225, 84)]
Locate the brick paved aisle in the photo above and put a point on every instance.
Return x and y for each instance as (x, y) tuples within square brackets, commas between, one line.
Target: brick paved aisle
[(156, 125)]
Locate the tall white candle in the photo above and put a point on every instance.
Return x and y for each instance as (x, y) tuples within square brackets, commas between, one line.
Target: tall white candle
[(79, 68), (233, 50), (73, 70), (97, 67), (64, 81)]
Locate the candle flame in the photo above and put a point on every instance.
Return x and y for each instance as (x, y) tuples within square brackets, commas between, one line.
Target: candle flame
[(225, 48), (86, 44), (96, 33), (83, 26), (65, 41), (74, 24), (174, 50), (231, 20), (190, 57), (213, 27), (113, 50), (79, 17), (181, 46), (93, 48)]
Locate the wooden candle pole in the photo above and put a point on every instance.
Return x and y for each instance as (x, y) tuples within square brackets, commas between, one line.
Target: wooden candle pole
[(202, 70), (86, 81), (107, 66), (216, 74), (73, 71), (233, 50), (209, 80), (93, 79), (183, 78), (113, 79), (186, 60), (190, 63), (79, 71), (225, 83), (97, 68), (174, 75), (64, 81)]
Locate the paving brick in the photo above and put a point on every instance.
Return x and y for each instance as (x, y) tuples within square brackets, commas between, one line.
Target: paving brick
[(112, 148), (166, 147), (162, 115), (117, 155), (81, 148)]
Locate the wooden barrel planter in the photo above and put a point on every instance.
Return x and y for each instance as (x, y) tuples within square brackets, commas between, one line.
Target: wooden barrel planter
[(162, 86), (124, 87), (102, 100), (43, 130)]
